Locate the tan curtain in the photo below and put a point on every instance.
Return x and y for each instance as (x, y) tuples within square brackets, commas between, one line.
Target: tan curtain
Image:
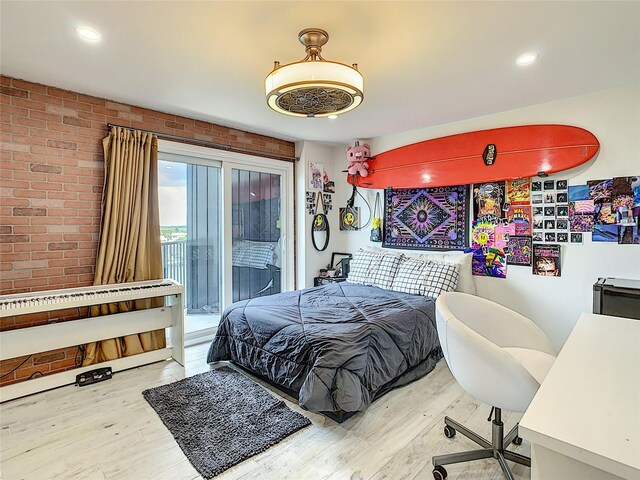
[(129, 247)]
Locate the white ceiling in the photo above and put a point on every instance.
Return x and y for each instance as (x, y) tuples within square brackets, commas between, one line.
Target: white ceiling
[(424, 63)]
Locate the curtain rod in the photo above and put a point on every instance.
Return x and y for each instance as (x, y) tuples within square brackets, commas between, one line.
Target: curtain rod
[(218, 146)]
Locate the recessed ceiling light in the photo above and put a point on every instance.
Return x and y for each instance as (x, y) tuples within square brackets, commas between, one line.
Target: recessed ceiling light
[(88, 34), (332, 117), (526, 59)]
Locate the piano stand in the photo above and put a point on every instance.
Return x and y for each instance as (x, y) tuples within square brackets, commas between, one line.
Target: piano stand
[(42, 338)]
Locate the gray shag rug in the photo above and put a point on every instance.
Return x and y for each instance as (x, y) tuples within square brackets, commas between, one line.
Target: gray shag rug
[(220, 418)]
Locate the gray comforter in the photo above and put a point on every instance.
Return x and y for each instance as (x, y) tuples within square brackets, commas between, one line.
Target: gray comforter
[(338, 346)]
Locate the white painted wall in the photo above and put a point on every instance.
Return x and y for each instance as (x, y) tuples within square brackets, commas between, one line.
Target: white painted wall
[(310, 261), (553, 303)]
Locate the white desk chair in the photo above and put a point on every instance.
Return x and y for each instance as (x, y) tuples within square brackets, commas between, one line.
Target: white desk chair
[(499, 357)]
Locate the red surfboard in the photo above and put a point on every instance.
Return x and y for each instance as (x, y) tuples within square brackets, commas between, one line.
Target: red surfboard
[(482, 156)]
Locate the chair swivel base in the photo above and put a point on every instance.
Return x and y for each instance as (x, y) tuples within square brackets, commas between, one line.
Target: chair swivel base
[(494, 449)]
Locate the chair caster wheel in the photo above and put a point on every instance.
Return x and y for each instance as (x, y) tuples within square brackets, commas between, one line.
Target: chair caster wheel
[(439, 473), (449, 432), (517, 441)]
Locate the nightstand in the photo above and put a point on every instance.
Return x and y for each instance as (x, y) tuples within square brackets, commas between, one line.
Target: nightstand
[(326, 280)]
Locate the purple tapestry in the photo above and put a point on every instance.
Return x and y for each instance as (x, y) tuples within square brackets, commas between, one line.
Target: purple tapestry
[(426, 218)]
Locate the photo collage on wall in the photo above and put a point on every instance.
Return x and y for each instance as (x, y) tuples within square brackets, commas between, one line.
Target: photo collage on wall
[(609, 209), (550, 204), (319, 182)]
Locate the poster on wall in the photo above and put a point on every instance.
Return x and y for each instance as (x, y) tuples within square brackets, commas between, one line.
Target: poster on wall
[(518, 191), (626, 200), (316, 176), (482, 234), (489, 262), (350, 218), (426, 218), (520, 250), (546, 260), (520, 217), (487, 200)]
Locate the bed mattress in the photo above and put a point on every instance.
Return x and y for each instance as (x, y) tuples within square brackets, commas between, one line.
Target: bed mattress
[(338, 346)]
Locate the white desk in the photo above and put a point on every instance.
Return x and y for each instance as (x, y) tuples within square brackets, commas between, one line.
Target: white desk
[(584, 422)]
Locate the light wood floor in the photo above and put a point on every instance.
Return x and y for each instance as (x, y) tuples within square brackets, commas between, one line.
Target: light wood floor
[(108, 431)]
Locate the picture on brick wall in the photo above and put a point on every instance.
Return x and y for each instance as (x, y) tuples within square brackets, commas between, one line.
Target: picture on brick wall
[(426, 218)]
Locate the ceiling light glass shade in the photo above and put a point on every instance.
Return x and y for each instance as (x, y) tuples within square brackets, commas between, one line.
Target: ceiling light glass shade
[(314, 87)]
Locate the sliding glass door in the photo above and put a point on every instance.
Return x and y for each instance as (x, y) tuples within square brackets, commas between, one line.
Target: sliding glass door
[(255, 230), (225, 220), (191, 236)]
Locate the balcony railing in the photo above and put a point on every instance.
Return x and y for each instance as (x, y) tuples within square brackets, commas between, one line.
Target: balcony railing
[(174, 261)]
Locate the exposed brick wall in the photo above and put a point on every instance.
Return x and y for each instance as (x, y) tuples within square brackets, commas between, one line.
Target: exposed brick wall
[(51, 175)]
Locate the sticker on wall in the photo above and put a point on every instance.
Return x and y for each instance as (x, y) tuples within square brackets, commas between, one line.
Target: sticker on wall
[(350, 218), (546, 260)]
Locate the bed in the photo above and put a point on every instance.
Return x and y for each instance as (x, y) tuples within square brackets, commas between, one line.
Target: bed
[(336, 348)]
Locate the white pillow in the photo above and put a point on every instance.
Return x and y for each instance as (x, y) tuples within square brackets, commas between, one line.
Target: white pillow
[(383, 273), (360, 266), (465, 278)]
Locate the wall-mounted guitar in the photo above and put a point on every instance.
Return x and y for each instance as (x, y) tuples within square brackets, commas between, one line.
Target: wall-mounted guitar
[(482, 156)]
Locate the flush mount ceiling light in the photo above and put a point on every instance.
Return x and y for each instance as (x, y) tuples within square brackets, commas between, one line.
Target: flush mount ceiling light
[(88, 34), (314, 87), (526, 59)]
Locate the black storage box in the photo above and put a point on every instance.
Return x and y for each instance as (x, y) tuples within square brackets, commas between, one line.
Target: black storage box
[(617, 297)]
